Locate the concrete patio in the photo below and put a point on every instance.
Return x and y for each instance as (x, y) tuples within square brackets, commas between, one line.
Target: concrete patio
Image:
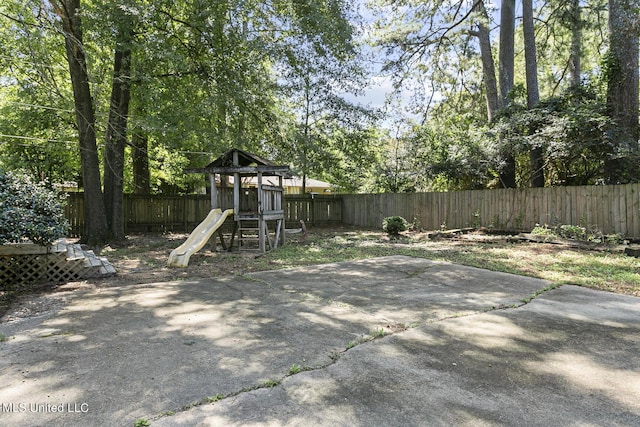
[(387, 341)]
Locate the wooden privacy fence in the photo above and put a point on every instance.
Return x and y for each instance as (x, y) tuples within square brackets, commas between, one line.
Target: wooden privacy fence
[(313, 209), (609, 208), (147, 213), (162, 213)]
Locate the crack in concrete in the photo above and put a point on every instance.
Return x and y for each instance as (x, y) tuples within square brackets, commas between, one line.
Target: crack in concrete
[(336, 355), (416, 272), (536, 294)]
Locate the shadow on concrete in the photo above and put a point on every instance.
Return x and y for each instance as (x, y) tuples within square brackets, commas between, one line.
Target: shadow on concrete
[(551, 362), (461, 353)]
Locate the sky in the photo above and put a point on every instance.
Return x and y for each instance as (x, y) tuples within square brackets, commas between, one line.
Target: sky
[(375, 96), (380, 87)]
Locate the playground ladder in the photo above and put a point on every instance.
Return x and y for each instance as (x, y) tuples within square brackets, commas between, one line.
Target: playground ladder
[(248, 235)]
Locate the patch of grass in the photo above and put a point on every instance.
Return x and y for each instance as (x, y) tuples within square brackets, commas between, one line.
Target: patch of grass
[(154, 263), (560, 265), (373, 335), (295, 369), (593, 269), (3, 338), (269, 383), (535, 294), (378, 333), (215, 398), (597, 270), (141, 422)]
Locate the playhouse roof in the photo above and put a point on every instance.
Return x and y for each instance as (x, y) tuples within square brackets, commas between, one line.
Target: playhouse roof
[(247, 164)]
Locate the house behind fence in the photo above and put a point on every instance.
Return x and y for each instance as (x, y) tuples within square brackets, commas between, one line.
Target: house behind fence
[(608, 208)]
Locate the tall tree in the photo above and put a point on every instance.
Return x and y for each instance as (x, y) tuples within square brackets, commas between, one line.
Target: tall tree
[(319, 66), (488, 64), (96, 229), (116, 133), (317, 87), (622, 90), (536, 158), (425, 36), (506, 78), (140, 162), (36, 117), (575, 52)]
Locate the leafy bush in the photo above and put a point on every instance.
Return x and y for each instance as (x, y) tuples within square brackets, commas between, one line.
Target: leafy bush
[(29, 210), (415, 225), (394, 225), (577, 232), (572, 232), (543, 230)]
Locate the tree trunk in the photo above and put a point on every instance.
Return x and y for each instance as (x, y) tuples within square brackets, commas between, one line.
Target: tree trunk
[(575, 54), (536, 157), (96, 230), (506, 48), (305, 147), (115, 141), (140, 155), (488, 64), (622, 91), (506, 73)]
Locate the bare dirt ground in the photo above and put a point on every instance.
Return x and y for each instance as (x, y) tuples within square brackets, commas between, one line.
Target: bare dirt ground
[(144, 259)]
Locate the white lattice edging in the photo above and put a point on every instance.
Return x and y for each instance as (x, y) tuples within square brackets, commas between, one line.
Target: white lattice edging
[(27, 264)]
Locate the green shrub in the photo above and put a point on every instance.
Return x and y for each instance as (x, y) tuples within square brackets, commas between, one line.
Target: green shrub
[(394, 225), (543, 230), (415, 225), (577, 232), (29, 210), (572, 232), (613, 239)]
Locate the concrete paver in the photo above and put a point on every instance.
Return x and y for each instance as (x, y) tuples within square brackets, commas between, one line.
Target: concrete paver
[(461, 349)]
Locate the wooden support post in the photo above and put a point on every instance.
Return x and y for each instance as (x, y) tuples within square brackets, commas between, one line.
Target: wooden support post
[(282, 223), (278, 232), (233, 236), (261, 223), (312, 214), (236, 196), (222, 242), (214, 191), (236, 188), (267, 237)]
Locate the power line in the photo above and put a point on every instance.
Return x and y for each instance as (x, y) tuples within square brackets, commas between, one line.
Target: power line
[(33, 62), (24, 104), (99, 145), (206, 153), (34, 138)]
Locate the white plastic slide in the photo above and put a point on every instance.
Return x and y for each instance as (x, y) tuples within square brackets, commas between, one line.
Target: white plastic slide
[(198, 238)]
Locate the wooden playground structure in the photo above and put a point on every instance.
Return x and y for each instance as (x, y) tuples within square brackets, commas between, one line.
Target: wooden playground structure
[(258, 224)]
